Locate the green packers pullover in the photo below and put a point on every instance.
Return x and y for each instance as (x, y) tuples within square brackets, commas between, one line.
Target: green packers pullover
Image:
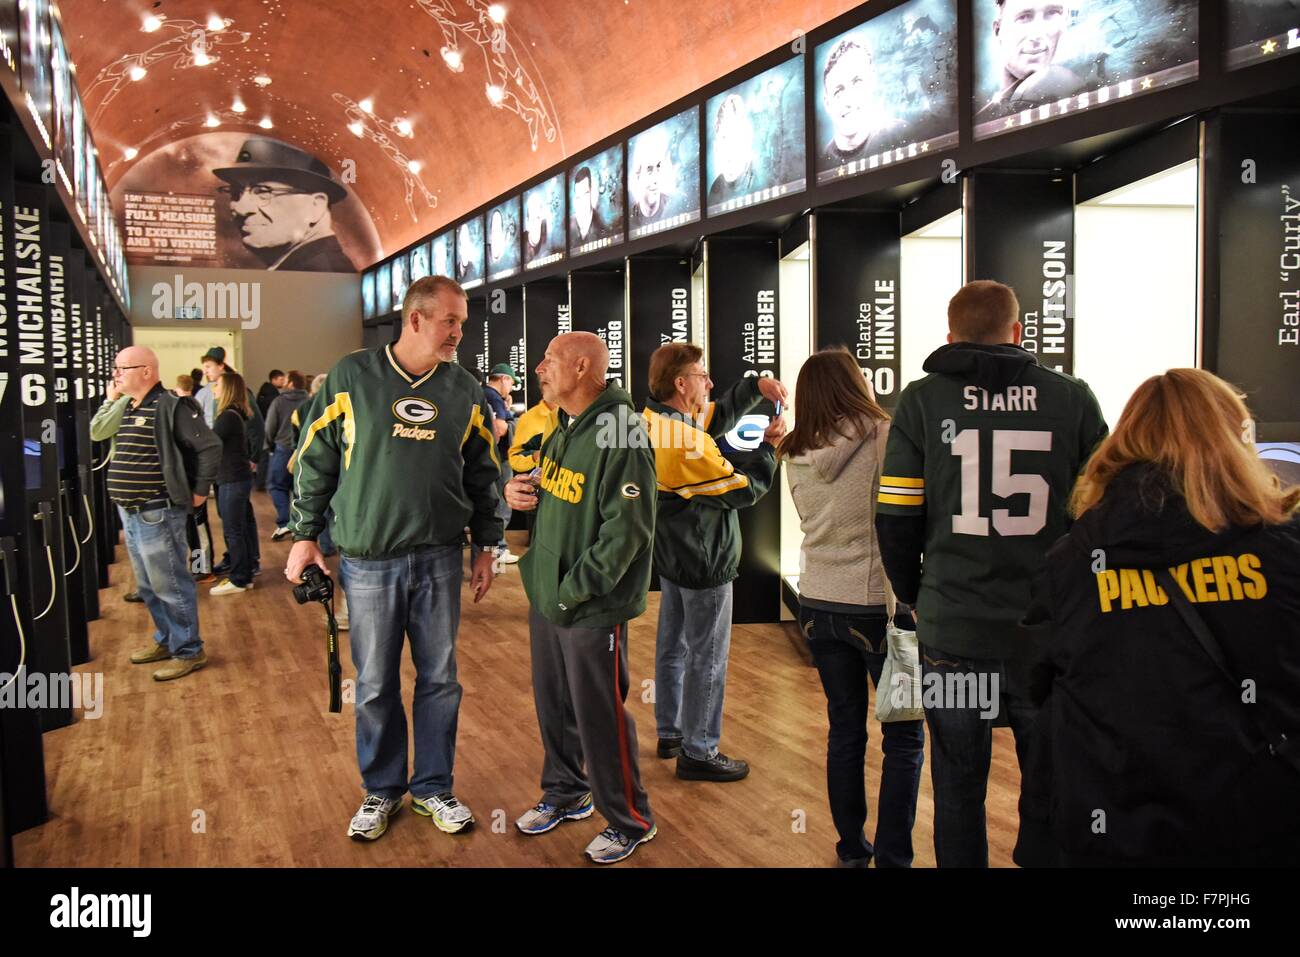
[(403, 461), (589, 562)]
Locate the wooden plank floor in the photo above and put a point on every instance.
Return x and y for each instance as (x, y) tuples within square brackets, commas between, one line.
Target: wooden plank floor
[(241, 764)]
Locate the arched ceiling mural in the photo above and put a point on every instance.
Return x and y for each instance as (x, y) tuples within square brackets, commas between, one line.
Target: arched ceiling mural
[(435, 106)]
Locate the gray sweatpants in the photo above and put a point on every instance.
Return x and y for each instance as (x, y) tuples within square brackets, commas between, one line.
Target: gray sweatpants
[(580, 686)]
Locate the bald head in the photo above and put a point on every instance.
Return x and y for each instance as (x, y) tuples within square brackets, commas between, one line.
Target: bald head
[(573, 372), (588, 346), (135, 371)]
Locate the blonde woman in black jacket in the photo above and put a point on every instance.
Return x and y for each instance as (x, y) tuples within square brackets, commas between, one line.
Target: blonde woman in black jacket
[(1148, 752)]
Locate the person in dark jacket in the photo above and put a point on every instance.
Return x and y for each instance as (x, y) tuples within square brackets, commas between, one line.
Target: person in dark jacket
[(235, 484), (279, 433), (163, 461), (982, 456), (268, 393), (697, 548), (501, 383), (1147, 752)]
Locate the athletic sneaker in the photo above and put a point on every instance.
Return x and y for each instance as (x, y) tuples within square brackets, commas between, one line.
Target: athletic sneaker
[(222, 567), (610, 846), (546, 817), (369, 823), (504, 555), (281, 532), (447, 813)]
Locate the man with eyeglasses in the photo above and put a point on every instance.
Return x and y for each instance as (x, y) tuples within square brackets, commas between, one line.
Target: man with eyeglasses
[(163, 462), (281, 198), (697, 547)]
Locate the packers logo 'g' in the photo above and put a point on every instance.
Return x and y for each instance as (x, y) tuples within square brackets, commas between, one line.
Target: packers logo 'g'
[(630, 490), (414, 411)]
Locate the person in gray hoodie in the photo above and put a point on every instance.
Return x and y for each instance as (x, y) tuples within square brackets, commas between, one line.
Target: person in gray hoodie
[(279, 434), (833, 459)]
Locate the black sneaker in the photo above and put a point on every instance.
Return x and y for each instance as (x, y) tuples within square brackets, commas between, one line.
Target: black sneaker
[(718, 768), (670, 747), (223, 567)]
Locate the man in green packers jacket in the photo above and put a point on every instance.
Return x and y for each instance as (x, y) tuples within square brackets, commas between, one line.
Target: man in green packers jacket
[(697, 548), (586, 574), (396, 444)]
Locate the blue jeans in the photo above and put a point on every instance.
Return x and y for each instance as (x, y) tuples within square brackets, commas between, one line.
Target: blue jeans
[(691, 665), (281, 484), (961, 749), (848, 650), (157, 544), (239, 527), (417, 595)]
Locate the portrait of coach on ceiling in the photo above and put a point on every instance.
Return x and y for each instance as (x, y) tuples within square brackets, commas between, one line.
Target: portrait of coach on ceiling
[(281, 199)]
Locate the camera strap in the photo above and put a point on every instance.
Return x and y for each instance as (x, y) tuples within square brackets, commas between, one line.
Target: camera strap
[(335, 669)]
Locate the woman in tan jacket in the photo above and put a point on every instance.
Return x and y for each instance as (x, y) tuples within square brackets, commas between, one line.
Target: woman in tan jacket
[(833, 457)]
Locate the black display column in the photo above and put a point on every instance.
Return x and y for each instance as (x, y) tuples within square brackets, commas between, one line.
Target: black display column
[(60, 297), (743, 317), (659, 311), (506, 335), (473, 351), (81, 346), (48, 653), (106, 531), (857, 280), (546, 315), (1251, 265), (22, 780), (598, 300), (1019, 230)]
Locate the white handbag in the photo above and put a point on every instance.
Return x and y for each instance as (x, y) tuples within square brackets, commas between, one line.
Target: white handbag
[(898, 694)]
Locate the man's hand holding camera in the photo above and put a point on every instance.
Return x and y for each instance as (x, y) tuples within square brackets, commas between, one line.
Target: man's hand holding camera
[(302, 554)]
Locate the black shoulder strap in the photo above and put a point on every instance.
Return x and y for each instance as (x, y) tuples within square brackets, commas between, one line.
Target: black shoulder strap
[(1278, 743)]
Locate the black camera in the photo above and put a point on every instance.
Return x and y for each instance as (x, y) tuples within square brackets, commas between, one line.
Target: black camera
[(316, 586)]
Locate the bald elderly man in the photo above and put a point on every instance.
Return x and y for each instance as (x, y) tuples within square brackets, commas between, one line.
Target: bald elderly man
[(586, 574), (164, 460)]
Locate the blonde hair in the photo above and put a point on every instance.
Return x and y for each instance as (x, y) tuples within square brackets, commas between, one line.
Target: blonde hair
[(1193, 427)]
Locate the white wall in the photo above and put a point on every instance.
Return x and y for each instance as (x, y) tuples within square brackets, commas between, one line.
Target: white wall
[(931, 274), (1135, 296), (306, 321)]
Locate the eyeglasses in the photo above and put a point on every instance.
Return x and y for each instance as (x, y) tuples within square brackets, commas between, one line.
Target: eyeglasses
[(261, 194), (118, 370), (702, 375)]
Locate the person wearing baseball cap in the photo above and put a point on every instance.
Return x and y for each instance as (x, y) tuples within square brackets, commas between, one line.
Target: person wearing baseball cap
[(501, 382), (281, 198)]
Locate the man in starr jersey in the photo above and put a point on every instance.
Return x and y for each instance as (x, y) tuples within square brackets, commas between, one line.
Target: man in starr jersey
[(982, 456)]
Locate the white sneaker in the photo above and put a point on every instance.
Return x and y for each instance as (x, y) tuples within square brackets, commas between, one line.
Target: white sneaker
[(447, 813), (504, 555), (611, 845), (371, 821), (227, 587), (280, 532)]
